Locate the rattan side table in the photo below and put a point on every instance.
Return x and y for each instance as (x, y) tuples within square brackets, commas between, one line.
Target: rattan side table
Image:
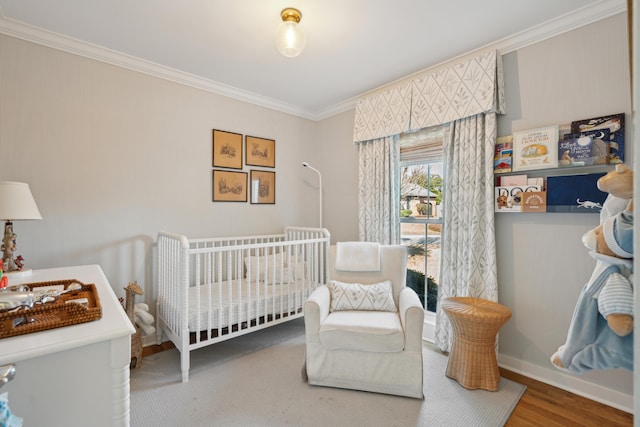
[(475, 323)]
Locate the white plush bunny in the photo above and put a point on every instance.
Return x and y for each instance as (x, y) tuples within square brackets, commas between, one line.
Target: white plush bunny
[(143, 318)]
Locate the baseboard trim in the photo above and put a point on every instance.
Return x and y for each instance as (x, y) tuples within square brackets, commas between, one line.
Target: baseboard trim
[(567, 382), (149, 340)]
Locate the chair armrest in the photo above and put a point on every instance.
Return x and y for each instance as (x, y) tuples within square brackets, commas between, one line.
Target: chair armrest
[(316, 309), (412, 318)]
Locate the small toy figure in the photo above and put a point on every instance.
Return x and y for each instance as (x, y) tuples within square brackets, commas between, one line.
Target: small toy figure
[(4, 280)]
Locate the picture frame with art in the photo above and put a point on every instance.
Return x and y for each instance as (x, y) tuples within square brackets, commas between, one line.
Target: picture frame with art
[(263, 187), (229, 186), (227, 149), (260, 152)]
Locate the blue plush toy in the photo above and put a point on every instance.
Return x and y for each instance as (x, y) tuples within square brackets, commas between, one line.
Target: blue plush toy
[(600, 335)]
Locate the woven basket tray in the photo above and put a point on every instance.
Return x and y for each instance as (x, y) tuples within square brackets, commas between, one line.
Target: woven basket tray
[(53, 314)]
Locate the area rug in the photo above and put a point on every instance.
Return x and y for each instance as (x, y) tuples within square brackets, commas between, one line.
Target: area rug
[(254, 380)]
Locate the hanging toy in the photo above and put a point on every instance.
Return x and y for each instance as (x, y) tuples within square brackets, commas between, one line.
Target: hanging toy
[(600, 335)]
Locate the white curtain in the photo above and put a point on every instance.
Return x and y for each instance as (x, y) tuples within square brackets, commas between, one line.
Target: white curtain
[(379, 199), (469, 254)]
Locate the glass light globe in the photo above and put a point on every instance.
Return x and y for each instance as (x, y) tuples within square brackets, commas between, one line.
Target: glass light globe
[(290, 39)]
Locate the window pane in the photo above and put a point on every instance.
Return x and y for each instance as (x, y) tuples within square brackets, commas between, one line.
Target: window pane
[(421, 228)]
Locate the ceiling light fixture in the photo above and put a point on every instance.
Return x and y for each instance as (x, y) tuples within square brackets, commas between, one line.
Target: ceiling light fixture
[(290, 38)]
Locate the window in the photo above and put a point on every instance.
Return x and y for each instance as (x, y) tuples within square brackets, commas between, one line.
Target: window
[(421, 190)]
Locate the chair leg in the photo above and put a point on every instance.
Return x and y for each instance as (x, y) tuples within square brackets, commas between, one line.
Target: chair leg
[(303, 371)]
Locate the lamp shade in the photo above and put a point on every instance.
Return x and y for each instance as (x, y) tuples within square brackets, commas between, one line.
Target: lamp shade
[(290, 38), (16, 202)]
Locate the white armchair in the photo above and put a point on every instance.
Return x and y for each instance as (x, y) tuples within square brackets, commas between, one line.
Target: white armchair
[(365, 349)]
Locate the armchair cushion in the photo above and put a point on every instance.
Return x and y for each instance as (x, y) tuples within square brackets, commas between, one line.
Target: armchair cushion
[(356, 296), (373, 331)]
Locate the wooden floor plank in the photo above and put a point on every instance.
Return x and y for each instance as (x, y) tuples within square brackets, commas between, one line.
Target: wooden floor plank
[(546, 405)]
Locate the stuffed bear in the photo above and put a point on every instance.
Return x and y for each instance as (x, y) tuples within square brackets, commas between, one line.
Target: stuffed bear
[(612, 242), (619, 184), (600, 336)]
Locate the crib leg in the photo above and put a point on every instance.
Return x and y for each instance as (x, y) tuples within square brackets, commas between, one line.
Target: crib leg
[(184, 365), (158, 333)]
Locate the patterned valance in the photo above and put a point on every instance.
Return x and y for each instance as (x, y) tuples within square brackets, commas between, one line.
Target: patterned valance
[(465, 89), (383, 114)]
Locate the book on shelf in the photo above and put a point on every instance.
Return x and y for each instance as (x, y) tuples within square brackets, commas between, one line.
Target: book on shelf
[(509, 198), (511, 180), (536, 148), (534, 201), (503, 154), (536, 181), (614, 124), (584, 149), (575, 193)]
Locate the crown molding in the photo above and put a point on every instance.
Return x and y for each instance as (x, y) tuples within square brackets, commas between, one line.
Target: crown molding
[(75, 46), (562, 24)]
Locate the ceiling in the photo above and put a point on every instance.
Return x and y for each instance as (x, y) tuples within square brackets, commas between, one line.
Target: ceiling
[(227, 46)]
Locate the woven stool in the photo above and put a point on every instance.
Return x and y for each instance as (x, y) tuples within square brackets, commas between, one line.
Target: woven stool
[(475, 323)]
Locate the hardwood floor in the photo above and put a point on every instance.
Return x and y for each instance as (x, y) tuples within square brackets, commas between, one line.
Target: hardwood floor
[(545, 405), (541, 404)]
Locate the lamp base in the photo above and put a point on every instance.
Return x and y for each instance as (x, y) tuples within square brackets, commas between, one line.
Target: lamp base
[(17, 273)]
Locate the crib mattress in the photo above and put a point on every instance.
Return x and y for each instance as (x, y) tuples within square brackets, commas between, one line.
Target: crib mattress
[(221, 305)]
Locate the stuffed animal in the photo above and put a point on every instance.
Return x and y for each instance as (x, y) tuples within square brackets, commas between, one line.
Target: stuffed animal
[(600, 336), (612, 243), (619, 184), (144, 320)]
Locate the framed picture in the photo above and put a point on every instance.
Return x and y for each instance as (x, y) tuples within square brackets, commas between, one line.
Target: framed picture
[(229, 186), (227, 149), (263, 187), (536, 149), (260, 151)]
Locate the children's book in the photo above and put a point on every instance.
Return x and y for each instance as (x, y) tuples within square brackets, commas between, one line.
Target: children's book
[(503, 157), (614, 124)]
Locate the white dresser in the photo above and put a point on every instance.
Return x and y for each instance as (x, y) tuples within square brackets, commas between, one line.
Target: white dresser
[(75, 375)]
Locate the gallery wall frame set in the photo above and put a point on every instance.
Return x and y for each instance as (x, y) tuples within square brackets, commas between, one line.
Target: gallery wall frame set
[(236, 185)]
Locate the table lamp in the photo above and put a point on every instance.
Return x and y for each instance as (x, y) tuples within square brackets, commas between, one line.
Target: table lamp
[(16, 203)]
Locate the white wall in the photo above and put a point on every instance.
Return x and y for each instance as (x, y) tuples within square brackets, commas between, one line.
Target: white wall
[(542, 263), (338, 159), (113, 156)]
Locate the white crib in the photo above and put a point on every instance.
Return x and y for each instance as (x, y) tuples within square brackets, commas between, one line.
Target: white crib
[(210, 290)]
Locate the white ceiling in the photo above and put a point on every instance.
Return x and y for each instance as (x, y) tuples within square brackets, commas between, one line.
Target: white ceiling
[(227, 46)]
